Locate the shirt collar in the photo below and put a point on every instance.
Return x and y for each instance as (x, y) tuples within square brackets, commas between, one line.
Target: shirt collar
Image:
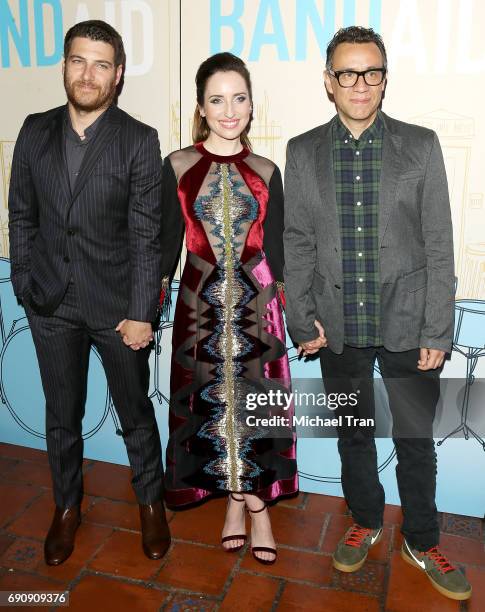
[(88, 132), (372, 132), (341, 132), (375, 130)]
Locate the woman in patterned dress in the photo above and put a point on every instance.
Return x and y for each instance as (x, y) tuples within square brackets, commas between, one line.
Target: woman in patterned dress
[(228, 335)]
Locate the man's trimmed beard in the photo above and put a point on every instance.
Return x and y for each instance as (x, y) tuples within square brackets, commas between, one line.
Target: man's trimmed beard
[(102, 100)]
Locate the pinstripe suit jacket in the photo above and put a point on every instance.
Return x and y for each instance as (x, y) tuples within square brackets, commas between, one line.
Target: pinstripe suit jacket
[(105, 236)]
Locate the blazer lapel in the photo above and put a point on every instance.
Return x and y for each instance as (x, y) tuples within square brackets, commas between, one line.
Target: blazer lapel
[(58, 152), (326, 183), (105, 133), (390, 171)]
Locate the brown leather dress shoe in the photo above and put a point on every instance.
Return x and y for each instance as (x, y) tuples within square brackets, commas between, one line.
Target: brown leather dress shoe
[(59, 542), (154, 529)]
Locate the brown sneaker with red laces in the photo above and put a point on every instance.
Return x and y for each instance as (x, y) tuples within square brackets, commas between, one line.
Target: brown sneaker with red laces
[(445, 578), (353, 548)]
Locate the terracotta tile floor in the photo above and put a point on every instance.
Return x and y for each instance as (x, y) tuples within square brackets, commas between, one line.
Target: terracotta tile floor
[(108, 570)]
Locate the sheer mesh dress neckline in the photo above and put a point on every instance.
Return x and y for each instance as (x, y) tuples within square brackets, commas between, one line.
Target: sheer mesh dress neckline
[(223, 159)]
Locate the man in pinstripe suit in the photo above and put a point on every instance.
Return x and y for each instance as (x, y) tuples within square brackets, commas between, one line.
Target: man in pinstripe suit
[(85, 209)]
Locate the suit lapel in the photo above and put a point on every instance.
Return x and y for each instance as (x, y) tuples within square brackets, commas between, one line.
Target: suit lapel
[(58, 152), (326, 182), (105, 132), (390, 171)]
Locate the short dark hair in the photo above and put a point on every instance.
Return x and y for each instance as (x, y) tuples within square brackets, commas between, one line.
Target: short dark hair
[(96, 29), (355, 34)]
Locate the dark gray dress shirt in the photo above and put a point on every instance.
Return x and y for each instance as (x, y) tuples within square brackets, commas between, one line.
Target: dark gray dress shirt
[(76, 146)]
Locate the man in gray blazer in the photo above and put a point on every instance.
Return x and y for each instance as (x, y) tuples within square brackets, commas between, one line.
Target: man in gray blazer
[(85, 214), (369, 275)]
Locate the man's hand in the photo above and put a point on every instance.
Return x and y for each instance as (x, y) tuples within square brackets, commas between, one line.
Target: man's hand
[(430, 359), (313, 346), (135, 334)]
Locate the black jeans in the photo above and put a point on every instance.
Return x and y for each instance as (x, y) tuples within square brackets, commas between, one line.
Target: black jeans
[(413, 396)]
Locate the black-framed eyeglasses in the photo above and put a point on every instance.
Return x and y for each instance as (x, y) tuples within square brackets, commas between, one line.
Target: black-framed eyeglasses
[(348, 78)]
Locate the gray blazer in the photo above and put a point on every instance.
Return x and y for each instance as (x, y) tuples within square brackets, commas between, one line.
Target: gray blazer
[(415, 240)]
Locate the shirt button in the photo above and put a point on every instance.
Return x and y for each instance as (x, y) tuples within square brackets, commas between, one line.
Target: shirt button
[(357, 178), (361, 280), (346, 141), (360, 254), (359, 229), (370, 141), (66, 258), (359, 203), (361, 303), (357, 152)]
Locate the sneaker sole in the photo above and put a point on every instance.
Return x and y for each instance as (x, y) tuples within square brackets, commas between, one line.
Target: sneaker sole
[(438, 587), (356, 566)]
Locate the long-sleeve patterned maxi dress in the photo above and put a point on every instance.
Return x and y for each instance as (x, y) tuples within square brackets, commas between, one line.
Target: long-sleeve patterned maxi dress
[(228, 336)]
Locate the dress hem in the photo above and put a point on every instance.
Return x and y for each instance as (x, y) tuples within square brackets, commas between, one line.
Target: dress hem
[(184, 497)]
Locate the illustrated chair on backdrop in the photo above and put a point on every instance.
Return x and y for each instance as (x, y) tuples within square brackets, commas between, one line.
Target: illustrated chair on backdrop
[(469, 341)]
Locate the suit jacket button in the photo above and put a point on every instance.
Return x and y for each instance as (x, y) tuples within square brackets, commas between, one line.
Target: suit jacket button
[(66, 258), (70, 232)]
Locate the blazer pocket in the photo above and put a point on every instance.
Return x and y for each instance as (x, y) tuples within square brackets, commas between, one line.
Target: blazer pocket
[(416, 280), (107, 170), (411, 175), (318, 283), (119, 257)]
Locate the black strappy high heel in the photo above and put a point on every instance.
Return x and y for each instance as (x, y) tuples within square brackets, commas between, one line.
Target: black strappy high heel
[(263, 548), (230, 538)]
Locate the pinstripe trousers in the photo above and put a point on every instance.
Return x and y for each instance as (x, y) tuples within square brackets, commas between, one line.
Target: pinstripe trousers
[(62, 341)]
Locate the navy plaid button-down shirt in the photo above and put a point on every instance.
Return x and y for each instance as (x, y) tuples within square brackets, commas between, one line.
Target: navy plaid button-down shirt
[(357, 168)]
